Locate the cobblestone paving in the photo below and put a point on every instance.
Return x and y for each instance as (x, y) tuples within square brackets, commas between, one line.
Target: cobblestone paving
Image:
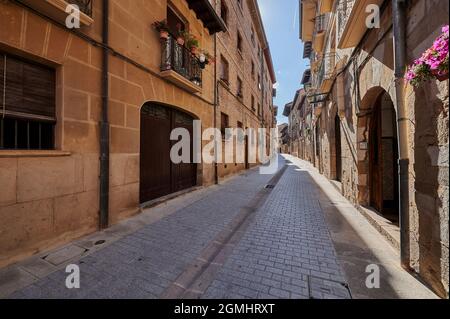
[(144, 264), (287, 252)]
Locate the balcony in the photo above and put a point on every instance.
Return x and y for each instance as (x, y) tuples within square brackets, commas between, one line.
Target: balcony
[(321, 23), (327, 71), (320, 27), (351, 24), (180, 66), (56, 9)]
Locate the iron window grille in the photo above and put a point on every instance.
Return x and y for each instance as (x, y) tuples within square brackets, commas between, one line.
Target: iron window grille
[(84, 5)]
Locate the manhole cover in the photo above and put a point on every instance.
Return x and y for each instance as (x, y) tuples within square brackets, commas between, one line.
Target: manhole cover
[(320, 288)]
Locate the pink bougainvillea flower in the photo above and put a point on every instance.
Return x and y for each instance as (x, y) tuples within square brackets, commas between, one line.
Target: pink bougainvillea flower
[(433, 62)]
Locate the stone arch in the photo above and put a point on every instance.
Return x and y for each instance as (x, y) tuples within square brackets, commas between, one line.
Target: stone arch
[(366, 120), (172, 106), (334, 152)]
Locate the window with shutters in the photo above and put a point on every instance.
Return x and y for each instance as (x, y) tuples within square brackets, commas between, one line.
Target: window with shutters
[(224, 12), (240, 89), (239, 44), (27, 104)]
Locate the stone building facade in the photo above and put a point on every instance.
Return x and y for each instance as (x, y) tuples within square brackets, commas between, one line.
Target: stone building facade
[(293, 112), (51, 151), (245, 76), (365, 121)]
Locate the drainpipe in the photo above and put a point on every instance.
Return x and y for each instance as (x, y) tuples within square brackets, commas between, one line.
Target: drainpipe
[(216, 88), (399, 16), (104, 124)]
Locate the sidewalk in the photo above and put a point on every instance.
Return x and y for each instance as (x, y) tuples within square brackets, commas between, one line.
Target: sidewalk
[(358, 244)]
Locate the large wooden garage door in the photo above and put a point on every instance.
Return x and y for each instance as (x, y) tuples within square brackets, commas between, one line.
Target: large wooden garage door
[(159, 176)]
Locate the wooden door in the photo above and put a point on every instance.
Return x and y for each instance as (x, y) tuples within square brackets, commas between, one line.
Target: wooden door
[(158, 175), (337, 136), (375, 160), (184, 175)]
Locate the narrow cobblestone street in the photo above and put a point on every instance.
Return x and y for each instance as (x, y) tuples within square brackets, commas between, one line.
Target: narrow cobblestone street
[(253, 236)]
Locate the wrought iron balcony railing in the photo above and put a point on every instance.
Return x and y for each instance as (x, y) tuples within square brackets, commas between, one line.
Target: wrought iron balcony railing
[(178, 58), (321, 23), (326, 70), (84, 5)]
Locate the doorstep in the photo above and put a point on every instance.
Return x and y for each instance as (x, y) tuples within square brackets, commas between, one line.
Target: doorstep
[(385, 227), (337, 185)]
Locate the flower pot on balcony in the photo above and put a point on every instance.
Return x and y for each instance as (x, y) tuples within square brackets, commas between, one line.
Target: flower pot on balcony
[(163, 34), (180, 41)]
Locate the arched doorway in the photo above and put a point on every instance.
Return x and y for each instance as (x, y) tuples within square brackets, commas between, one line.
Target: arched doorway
[(318, 157), (383, 159), (338, 145), (159, 176)]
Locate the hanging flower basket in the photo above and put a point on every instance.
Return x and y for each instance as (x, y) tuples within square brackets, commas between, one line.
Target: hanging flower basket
[(433, 64)]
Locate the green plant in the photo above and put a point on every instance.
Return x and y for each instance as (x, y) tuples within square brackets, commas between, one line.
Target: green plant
[(192, 42), (161, 26)]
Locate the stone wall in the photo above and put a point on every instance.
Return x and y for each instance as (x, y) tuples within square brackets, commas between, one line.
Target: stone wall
[(427, 107), (240, 65), (52, 197)]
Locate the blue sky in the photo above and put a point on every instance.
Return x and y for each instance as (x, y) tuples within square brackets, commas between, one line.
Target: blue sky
[(281, 21)]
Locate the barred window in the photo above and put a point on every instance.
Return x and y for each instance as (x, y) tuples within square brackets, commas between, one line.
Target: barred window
[(27, 105)]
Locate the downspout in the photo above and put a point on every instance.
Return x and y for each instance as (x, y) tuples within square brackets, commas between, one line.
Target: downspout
[(216, 103), (399, 16), (104, 124)]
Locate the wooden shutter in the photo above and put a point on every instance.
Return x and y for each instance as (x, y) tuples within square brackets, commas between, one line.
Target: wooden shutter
[(30, 89)]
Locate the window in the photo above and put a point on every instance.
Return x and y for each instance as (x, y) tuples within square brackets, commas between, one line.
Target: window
[(253, 70), (224, 70), (259, 82), (224, 123), (253, 103), (259, 109), (253, 37), (240, 3), (27, 116), (84, 5), (239, 43), (174, 22), (224, 12), (240, 92)]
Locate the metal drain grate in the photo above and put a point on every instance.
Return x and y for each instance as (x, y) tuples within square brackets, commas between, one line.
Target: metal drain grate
[(269, 187)]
